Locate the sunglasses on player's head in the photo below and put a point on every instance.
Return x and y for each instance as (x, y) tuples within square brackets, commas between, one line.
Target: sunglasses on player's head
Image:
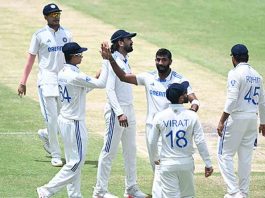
[(55, 14)]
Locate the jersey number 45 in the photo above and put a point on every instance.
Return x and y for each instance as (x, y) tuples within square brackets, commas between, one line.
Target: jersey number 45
[(252, 95)]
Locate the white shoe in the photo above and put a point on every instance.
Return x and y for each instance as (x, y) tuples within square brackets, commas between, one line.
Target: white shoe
[(41, 193), (103, 195), (57, 162), (43, 135), (235, 195), (244, 195), (134, 192)]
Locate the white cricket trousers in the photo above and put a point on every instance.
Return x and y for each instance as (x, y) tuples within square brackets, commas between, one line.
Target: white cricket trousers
[(75, 137), (156, 188), (50, 108), (177, 180), (238, 137), (114, 134)]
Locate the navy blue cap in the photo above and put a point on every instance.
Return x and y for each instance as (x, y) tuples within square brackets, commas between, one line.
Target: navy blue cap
[(120, 34), (175, 90), (50, 8), (239, 49), (73, 48)]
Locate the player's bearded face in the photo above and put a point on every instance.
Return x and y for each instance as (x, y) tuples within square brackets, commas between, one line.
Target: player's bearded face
[(162, 64), (128, 45), (128, 48), (162, 68)]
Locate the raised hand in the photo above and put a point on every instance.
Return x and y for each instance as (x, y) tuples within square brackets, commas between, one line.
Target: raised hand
[(105, 51)]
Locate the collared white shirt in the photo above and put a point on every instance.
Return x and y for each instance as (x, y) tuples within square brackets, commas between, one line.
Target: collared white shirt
[(73, 86), (47, 44), (118, 92), (156, 90), (245, 91), (178, 127)]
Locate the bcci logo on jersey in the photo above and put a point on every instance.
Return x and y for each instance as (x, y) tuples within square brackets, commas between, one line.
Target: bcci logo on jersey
[(233, 82), (88, 79)]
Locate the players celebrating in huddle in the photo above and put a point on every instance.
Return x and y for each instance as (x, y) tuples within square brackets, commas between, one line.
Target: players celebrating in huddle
[(170, 128)]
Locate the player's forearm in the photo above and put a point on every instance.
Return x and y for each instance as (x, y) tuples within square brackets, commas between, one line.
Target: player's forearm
[(262, 113), (118, 71), (113, 101), (101, 81), (27, 69), (224, 117), (153, 152), (203, 150), (194, 102), (262, 106), (152, 141), (129, 78)]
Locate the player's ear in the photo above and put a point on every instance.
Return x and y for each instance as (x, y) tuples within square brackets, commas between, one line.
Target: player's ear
[(121, 43)]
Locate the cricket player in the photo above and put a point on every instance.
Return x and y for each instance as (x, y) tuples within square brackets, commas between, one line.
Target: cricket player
[(73, 86), (120, 122), (47, 44), (237, 127), (178, 127), (156, 83)]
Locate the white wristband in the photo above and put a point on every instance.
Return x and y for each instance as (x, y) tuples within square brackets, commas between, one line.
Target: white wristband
[(196, 102)]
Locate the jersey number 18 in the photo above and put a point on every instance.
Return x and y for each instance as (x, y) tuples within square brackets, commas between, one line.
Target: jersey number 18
[(180, 142)]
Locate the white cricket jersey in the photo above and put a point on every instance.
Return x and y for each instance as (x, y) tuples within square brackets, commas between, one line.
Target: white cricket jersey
[(118, 92), (178, 127), (73, 86), (156, 91), (245, 91), (47, 44)]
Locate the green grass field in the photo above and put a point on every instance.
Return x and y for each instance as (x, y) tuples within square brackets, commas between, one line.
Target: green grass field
[(201, 32)]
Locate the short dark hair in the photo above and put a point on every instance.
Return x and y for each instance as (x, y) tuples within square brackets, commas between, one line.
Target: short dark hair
[(241, 58), (175, 90), (67, 57), (164, 52), (173, 95)]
